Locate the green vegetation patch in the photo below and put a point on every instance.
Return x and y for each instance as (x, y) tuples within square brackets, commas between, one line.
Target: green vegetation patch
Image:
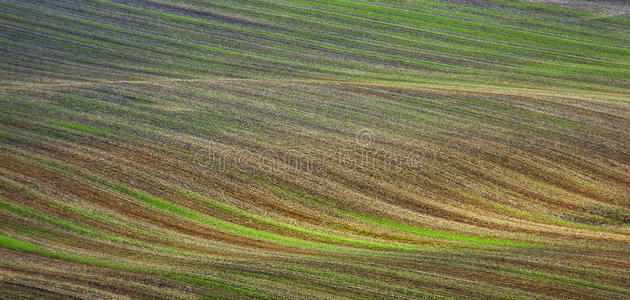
[(81, 127)]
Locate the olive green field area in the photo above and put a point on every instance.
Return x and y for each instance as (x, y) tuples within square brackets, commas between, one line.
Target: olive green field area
[(326, 149)]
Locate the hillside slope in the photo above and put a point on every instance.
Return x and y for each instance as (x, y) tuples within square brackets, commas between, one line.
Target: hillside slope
[(497, 42), (313, 149)]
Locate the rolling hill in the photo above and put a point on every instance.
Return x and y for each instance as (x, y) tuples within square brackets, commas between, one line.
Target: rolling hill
[(314, 149)]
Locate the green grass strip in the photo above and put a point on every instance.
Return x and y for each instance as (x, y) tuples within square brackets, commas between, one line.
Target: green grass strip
[(407, 228), (81, 127)]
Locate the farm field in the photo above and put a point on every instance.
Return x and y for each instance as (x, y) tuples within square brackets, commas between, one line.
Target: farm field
[(314, 149)]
